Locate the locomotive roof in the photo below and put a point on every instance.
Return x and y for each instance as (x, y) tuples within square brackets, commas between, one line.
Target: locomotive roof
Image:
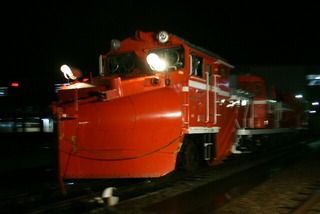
[(200, 49)]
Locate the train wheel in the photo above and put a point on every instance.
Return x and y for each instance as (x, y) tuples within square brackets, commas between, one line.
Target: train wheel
[(191, 157)]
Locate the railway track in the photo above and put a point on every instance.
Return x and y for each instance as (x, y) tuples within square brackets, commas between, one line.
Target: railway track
[(211, 191), (151, 193), (311, 203), (295, 190)]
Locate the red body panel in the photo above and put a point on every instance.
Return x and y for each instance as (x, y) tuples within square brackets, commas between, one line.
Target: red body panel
[(116, 138)]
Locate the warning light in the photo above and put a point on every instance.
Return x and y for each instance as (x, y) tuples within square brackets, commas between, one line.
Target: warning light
[(14, 84)]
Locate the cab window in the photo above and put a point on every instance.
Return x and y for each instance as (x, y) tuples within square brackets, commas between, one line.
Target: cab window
[(197, 66)]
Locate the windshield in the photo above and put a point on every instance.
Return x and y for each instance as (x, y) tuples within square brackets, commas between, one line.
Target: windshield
[(121, 64), (128, 63), (174, 57)]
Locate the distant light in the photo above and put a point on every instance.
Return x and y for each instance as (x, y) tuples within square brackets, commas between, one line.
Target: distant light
[(70, 183), (312, 111), (4, 91), (14, 84), (299, 96), (47, 125), (315, 103), (313, 79)]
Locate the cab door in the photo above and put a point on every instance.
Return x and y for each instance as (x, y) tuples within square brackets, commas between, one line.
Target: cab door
[(202, 89)]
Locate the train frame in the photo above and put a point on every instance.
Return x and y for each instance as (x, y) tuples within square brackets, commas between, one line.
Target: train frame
[(159, 103)]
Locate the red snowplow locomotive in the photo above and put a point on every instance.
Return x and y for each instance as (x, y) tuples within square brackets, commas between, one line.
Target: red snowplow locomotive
[(158, 103)]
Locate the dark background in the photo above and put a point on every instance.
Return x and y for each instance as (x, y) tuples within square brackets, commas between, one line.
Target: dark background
[(38, 37)]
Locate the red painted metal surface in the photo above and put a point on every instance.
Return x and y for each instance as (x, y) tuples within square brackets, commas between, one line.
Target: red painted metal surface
[(117, 138)]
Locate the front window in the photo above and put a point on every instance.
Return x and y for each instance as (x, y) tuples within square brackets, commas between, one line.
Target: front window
[(122, 63), (197, 65), (129, 63), (172, 57)]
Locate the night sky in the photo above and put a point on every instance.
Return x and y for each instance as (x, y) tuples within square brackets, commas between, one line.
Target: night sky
[(38, 37)]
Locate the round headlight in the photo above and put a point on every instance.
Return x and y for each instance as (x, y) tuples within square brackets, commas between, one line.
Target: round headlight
[(156, 63), (163, 36)]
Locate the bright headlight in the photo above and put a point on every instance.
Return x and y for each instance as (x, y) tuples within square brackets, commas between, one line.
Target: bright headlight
[(70, 73), (156, 63)]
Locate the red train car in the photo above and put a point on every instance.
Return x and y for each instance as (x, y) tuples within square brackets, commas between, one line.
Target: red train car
[(263, 115), (158, 103)]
